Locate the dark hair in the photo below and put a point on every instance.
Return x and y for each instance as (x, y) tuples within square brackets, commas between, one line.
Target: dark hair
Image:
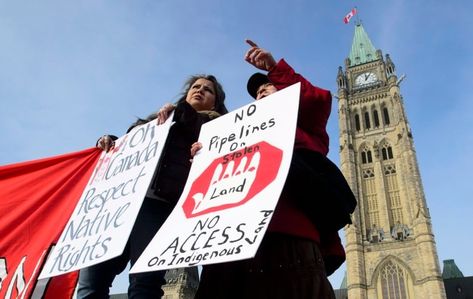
[(219, 98), (219, 93)]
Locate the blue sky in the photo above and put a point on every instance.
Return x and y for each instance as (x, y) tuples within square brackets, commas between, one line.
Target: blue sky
[(71, 71)]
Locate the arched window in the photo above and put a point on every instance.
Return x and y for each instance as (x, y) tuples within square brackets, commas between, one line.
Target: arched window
[(376, 118), (393, 281), (370, 160), (367, 120), (357, 122), (386, 116), (385, 155), (387, 152), (366, 156)]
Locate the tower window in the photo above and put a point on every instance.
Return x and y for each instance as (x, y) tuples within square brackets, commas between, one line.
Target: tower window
[(389, 169), (357, 122), (393, 282), (367, 121), (368, 173), (387, 153), (376, 118), (366, 156), (386, 116)]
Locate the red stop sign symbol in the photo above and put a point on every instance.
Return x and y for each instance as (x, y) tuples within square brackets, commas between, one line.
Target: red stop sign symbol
[(233, 179)]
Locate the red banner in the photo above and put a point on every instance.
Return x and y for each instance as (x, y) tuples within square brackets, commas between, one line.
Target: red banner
[(36, 200)]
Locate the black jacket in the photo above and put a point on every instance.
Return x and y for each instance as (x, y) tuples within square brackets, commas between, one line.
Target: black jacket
[(174, 165)]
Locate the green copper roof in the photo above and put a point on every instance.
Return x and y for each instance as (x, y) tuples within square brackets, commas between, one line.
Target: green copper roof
[(362, 50), (450, 270)]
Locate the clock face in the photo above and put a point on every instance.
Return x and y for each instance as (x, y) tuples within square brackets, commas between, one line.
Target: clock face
[(365, 78)]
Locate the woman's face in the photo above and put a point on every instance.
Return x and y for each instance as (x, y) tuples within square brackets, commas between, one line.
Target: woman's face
[(201, 95)]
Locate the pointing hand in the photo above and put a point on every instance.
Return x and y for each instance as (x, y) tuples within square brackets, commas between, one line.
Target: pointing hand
[(258, 57)]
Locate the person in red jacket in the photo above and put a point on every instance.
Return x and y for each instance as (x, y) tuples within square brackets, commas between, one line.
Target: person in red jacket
[(297, 253)]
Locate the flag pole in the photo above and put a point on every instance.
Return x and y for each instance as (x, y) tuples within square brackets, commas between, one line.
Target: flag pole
[(357, 21)]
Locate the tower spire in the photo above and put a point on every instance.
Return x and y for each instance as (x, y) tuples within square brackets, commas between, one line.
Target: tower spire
[(362, 50)]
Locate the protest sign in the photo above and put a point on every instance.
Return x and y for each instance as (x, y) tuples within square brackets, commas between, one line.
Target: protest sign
[(104, 216), (232, 189)]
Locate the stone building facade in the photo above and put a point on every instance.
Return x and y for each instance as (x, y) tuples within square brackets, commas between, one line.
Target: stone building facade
[(391, 250), (181, 283)]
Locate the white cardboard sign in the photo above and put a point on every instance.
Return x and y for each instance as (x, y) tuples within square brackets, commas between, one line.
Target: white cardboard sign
[(232, 189), (104, 216)]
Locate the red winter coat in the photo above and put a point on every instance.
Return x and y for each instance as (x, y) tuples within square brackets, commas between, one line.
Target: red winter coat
[(314, 110)]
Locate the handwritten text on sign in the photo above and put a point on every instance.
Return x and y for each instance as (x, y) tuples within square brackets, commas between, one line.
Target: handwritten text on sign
[(232, 189), (104, 216)]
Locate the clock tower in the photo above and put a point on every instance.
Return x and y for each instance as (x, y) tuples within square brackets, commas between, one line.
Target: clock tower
[(390, 247)]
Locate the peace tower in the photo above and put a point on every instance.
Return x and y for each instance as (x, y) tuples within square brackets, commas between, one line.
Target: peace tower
[(391, 250)]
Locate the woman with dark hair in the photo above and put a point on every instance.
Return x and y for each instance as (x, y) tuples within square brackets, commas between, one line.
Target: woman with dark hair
[(202, 100)]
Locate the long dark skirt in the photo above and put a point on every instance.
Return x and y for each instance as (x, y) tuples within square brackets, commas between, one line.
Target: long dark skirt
[(284, 267)]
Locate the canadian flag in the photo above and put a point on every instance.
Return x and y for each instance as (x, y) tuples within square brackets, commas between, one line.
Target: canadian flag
[(347, 18)]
